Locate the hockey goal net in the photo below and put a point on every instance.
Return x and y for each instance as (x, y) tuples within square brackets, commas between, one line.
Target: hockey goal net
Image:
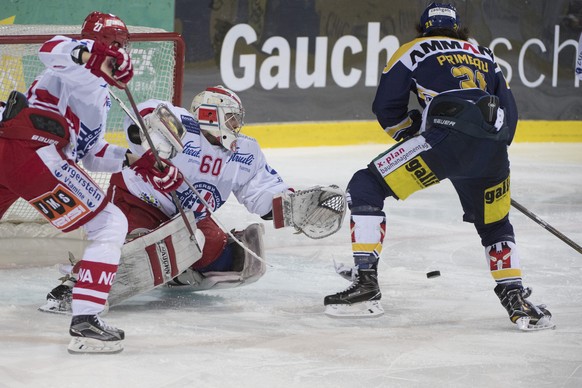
[(158, 59)]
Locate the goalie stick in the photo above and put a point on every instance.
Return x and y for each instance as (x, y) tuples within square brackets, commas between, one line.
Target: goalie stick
[(175, 199), (224, 229)]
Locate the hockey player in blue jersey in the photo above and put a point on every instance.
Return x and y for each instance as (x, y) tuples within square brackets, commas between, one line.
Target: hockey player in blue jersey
[(469, 118)]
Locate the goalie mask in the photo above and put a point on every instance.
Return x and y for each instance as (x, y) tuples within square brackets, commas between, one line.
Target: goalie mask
[(106, 28), (165, 129), (439, 16), (220, 114)]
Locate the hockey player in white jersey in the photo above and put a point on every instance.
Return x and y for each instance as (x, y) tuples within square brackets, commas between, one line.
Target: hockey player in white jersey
[(217, 161), (43, 136)]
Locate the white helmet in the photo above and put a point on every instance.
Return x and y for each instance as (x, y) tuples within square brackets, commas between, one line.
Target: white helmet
[(219, 113)]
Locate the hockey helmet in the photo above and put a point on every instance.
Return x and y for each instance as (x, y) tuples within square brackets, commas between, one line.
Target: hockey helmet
[(219, 113), (439, 15), (105, 28)]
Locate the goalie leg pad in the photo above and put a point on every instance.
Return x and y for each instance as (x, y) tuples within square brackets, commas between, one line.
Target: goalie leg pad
[(155, 258), (246, 268), (215, 240), (251, 268)]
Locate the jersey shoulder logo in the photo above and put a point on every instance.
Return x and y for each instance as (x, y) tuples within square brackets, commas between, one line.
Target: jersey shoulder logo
[(190, 124)]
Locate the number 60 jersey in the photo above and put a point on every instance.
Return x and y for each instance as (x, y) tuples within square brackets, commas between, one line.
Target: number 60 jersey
[(214, 171)]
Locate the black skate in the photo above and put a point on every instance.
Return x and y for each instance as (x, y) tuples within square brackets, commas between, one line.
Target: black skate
[(91, 335), (522, 312), (361, 299), (58, 301)]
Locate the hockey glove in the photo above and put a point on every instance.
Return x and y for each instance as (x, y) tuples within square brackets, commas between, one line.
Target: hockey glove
[(165, 180), (406, 133), (111, 63), (123, 68)]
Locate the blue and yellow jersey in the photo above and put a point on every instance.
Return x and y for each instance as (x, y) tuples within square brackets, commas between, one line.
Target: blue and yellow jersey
[(429, 66)]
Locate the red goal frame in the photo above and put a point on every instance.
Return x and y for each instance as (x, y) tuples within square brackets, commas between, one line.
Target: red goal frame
[(179, 51)]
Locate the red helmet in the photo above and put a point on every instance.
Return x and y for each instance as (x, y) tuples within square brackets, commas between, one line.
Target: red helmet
[(105, 28)]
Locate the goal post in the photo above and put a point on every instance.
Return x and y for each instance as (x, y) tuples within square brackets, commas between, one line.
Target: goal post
[(158, 60)]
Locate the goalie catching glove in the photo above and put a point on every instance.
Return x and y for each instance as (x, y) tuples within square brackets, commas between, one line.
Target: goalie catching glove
[(317, 212), (166, 179)]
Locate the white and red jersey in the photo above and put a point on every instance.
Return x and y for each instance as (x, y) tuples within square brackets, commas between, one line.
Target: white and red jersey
[(214, 171), (82, 98)]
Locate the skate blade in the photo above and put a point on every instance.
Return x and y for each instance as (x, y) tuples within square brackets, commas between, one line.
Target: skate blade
[(544, 323), (84, 345), (370, 309), (54, 308)]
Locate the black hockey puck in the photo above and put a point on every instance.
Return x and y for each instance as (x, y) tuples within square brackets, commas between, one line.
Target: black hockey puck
[(433, 274)]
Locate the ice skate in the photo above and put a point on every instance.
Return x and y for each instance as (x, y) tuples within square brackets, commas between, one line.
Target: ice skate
[(526, 315), (91, 335), (361, 299), (58, 301)]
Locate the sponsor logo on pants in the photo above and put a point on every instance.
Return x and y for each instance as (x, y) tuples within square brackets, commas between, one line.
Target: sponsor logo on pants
[(60, 207)]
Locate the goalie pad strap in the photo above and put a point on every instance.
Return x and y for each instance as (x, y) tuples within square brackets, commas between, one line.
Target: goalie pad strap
[(246, 268), (162, 258)]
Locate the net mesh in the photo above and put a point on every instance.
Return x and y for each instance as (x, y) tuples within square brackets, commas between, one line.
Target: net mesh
[(155, 55)]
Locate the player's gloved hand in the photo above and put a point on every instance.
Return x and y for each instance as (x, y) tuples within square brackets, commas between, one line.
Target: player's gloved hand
[(123, 68), (406, 133), (165, 180), (111, 63)]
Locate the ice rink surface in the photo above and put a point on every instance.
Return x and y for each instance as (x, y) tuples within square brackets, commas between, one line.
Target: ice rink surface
[(449, 331)]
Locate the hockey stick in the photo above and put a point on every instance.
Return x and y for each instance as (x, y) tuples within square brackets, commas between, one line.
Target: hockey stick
[(546, 226), (124, 108), (196, 192), (212, 214), (175, 199)]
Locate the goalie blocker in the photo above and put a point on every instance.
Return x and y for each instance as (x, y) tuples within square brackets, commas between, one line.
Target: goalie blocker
[(317, 212)]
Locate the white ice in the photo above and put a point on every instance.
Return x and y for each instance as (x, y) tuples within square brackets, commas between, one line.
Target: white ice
[(449, 331)]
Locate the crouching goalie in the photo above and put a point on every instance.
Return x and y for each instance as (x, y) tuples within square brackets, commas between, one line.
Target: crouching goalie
[(215, 161)]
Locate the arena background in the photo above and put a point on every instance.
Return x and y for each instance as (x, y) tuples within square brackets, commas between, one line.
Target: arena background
[(258, 48)]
